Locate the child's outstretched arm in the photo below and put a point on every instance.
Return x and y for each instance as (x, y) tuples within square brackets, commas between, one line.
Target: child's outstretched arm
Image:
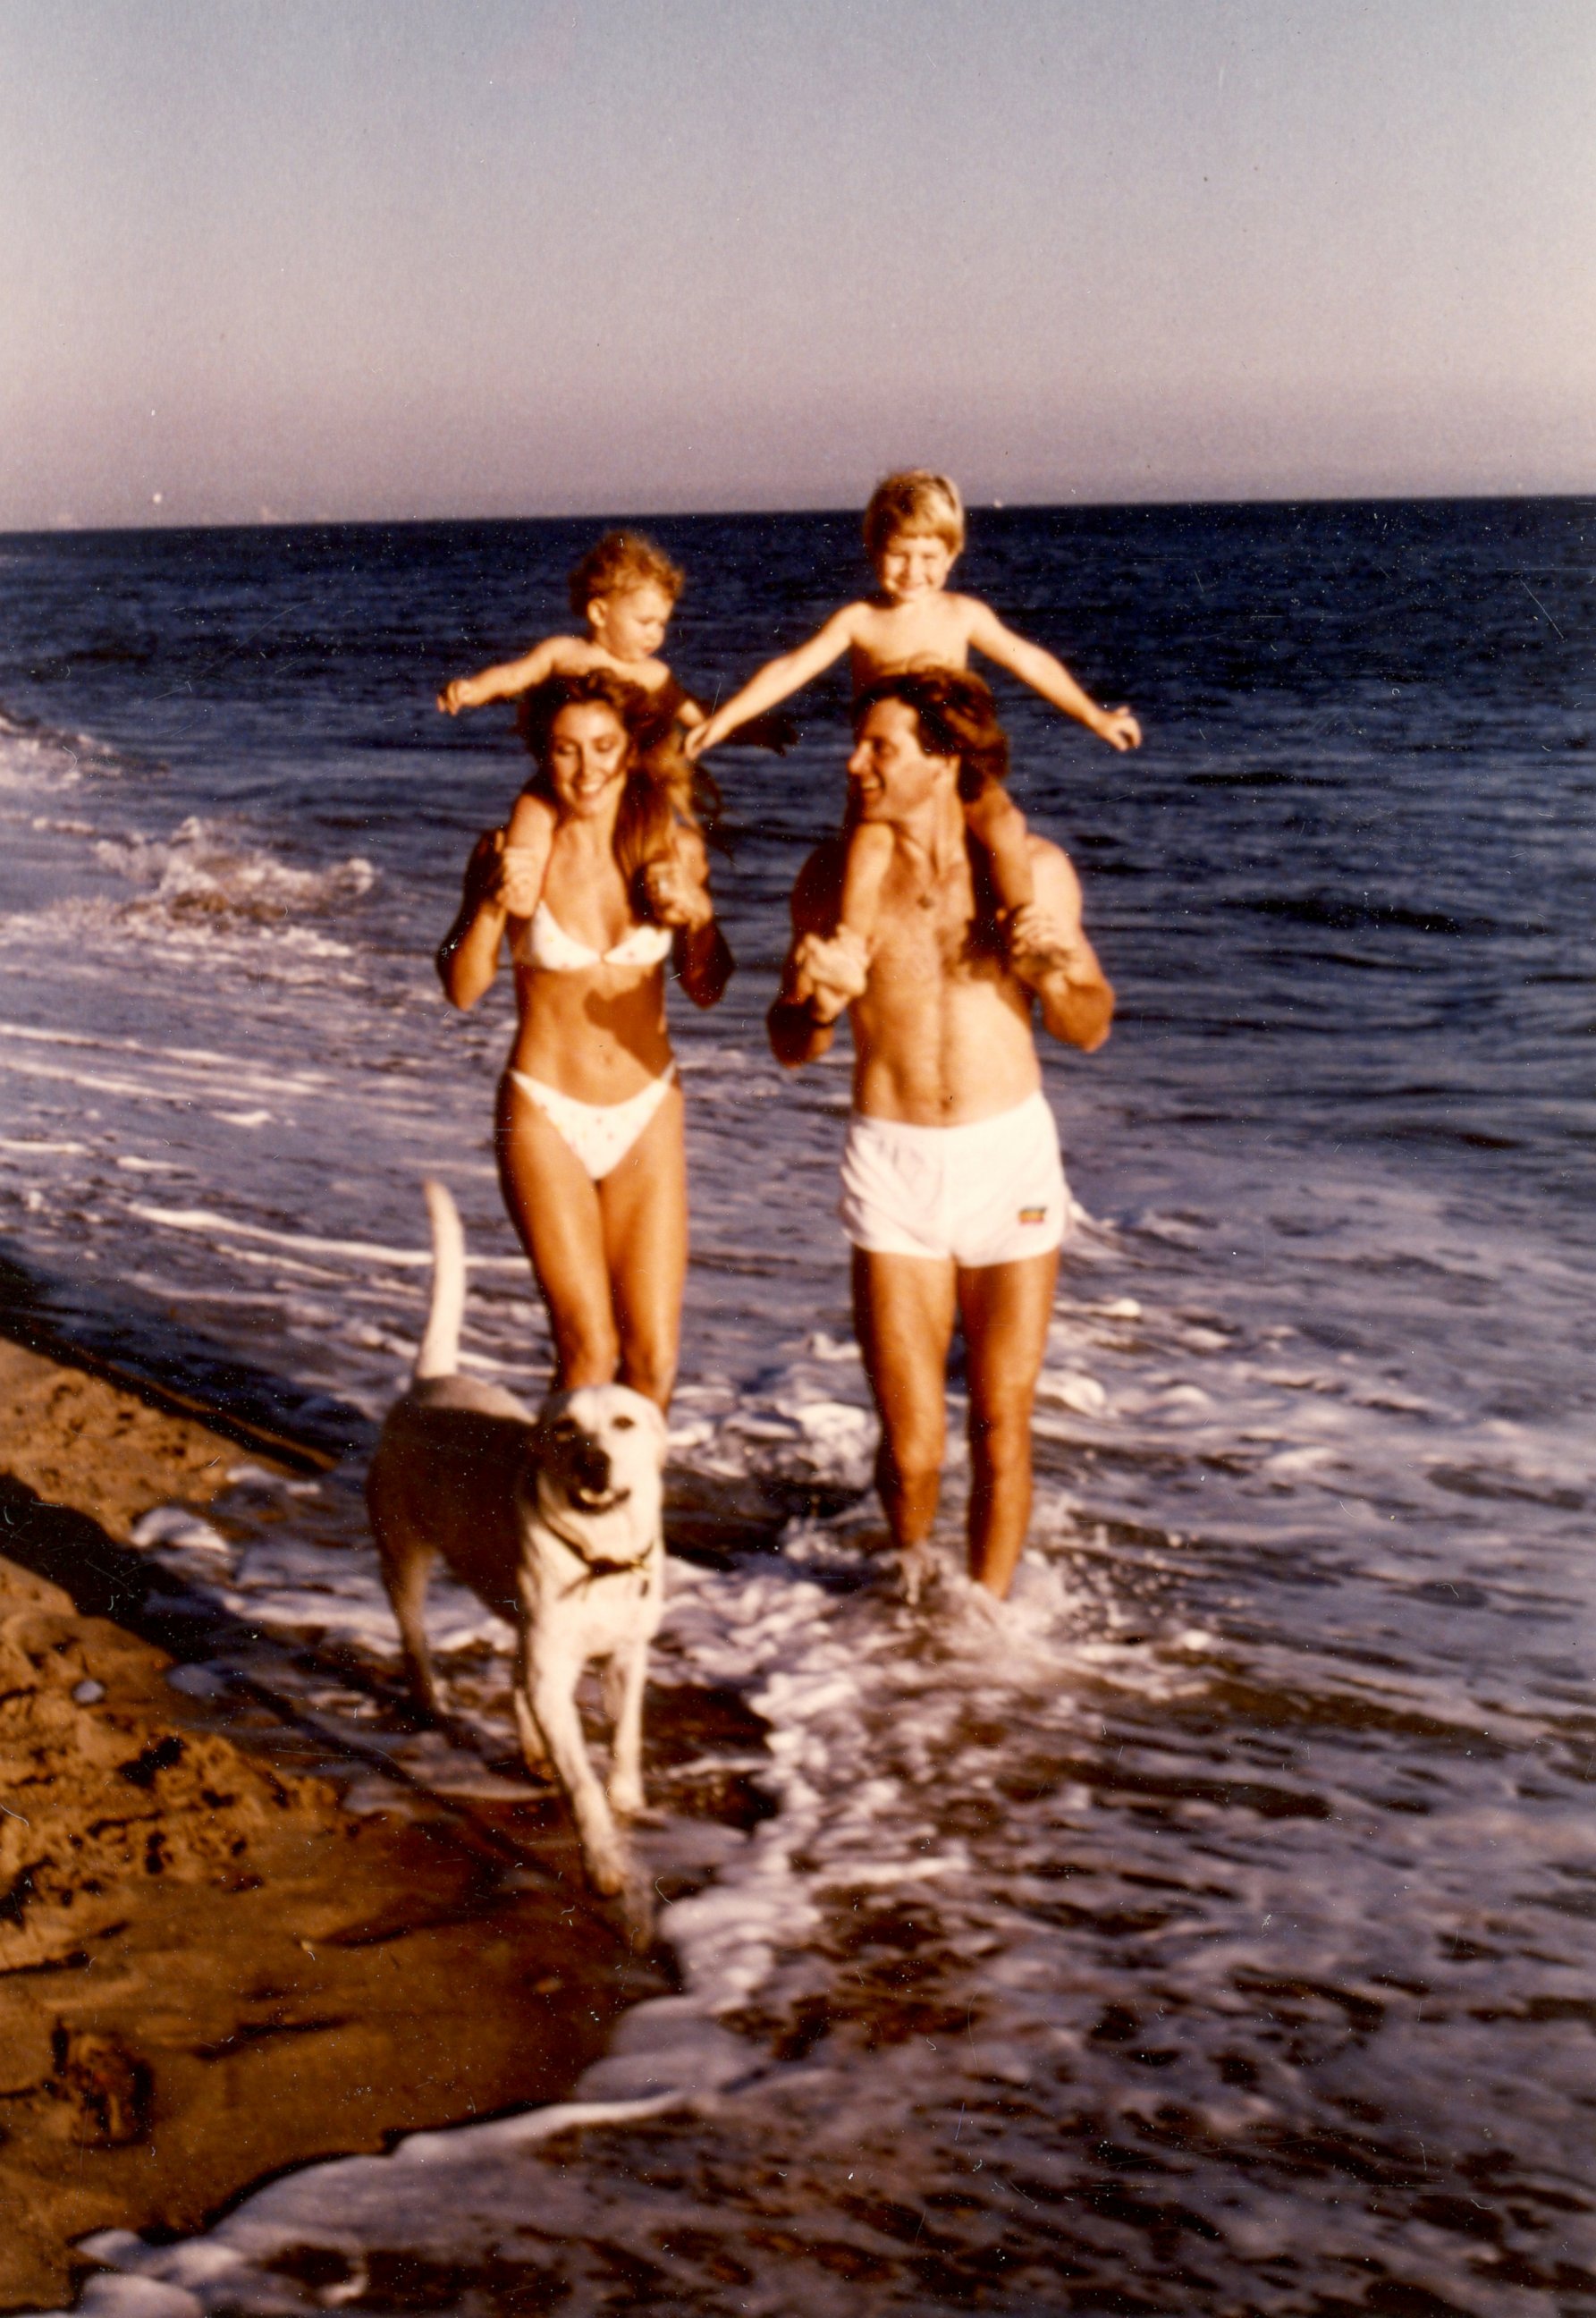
[(778, 680), (1051, 679), (506, 682)]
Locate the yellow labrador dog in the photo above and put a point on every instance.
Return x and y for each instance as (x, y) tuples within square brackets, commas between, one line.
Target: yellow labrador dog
[(553, 1520)]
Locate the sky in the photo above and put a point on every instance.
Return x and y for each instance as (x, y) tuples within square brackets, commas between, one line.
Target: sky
[(305, 259)]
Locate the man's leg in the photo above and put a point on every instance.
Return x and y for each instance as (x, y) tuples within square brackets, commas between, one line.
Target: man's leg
[(903, 1315), (1005, 1308)]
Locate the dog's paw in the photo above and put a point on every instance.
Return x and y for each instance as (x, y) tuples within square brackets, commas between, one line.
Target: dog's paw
[(606, 1869)]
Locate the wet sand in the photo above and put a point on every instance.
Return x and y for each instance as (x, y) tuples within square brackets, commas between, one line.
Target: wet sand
[(209, 1969)]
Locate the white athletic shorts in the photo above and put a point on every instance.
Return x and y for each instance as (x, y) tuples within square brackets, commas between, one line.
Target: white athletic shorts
[(990, 1193)]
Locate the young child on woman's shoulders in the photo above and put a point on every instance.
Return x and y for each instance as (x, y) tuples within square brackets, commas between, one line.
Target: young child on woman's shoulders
[(914, 528), (626, 589)]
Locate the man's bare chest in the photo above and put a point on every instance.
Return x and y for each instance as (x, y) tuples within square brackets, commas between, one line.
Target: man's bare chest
[(924, 926)]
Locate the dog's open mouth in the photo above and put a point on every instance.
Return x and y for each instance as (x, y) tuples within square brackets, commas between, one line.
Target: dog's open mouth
[(595, 1501)]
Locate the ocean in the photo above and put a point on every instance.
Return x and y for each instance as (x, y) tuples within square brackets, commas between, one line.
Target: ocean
[(1220, 1942)]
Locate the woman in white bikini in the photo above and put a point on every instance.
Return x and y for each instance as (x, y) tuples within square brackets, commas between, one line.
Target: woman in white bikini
[(589, 1122)]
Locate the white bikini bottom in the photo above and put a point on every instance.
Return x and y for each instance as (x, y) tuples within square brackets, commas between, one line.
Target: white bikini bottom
[(598, 1134)]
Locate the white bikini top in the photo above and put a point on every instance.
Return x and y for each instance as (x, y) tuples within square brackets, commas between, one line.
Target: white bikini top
[(544, 942)]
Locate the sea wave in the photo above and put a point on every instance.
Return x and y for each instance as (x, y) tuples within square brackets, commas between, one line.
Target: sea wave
[(32, 752), (206, 869)]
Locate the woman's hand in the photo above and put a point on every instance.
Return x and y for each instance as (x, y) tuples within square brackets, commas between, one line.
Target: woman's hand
[(520, 881), (484, 872), (468, 956), (675, 897)]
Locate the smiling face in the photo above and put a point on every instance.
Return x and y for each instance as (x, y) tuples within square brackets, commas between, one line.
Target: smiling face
[(911, 565), (629, 622), (892, 773), (589, 751)]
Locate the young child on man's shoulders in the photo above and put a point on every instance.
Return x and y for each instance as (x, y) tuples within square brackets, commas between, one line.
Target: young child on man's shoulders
[(914, 529)]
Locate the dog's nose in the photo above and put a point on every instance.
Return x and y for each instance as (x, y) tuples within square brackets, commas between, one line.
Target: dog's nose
[(593, 1468)]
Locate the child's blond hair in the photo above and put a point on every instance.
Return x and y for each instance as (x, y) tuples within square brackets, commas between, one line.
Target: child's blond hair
[(622, 560), (914, 501)]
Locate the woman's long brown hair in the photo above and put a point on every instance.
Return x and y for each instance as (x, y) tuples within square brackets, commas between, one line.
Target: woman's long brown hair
[(663, 792)]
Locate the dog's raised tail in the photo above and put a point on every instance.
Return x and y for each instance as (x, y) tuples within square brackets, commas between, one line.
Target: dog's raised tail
[(440, 1347)]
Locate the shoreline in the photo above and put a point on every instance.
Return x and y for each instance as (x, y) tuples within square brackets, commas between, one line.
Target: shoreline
[(211, 1969)]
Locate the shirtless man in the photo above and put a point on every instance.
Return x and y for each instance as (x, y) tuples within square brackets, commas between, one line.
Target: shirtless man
[(952, 1191)]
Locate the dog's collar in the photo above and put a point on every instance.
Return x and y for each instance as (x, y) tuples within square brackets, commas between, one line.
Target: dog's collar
[(593, 1566), (592, 1571)]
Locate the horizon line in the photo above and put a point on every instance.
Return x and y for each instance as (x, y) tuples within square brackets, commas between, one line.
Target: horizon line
[(75, 530)]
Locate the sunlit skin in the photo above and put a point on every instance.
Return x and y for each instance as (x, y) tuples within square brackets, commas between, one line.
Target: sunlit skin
[(913, 622), (610, 1258), (626, 629), (940, 1038)]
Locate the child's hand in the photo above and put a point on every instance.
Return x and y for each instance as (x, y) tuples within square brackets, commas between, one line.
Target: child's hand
[(1119, 728), (453, 698), (675, 897), (697, 740)]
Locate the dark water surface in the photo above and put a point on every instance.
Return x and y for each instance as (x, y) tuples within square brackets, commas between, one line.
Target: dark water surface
[(1220, 1938)]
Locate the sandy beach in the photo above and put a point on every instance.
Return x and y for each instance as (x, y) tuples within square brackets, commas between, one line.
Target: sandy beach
[(209, 1969)]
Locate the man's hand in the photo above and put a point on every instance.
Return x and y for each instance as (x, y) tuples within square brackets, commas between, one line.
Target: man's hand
[(830, 972), (675, 896), (1043, 943), (1119, 728)]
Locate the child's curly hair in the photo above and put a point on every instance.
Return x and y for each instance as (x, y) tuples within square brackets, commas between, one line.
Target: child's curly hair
[(622, 560), (663, 792)]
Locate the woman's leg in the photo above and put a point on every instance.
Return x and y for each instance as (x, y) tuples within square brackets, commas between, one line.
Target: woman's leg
[(555, 1208), (643, 1205)]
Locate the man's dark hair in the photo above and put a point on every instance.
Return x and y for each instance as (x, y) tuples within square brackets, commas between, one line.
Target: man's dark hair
[(955, 715)]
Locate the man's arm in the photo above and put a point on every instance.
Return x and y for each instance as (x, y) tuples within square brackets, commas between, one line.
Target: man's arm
[(1075, 995), (821, 975), (1050, 678), (778, 678)]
